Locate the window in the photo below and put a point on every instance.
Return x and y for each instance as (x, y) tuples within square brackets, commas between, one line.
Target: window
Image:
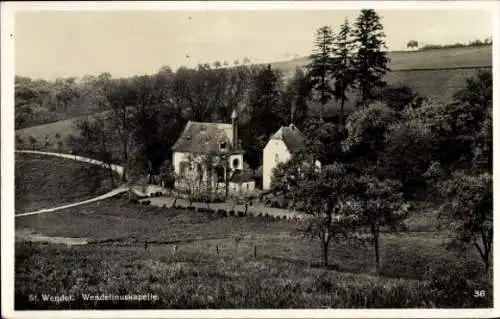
[(199, 169), (276, 158), (222, 146), (236, 163), (219, 171), (183, 167)]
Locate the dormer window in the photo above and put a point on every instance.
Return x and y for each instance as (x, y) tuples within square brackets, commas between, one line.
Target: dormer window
[(222, 146)]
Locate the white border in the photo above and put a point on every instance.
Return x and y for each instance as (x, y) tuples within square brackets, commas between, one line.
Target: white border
[(7, 154)]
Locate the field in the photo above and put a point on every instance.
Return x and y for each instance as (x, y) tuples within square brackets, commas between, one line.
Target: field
[(424, 71), (43, 181), (407, 60), (225, 262)]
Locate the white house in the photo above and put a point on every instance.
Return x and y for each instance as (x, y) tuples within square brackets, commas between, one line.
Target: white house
[(210, 154), (280, 148)]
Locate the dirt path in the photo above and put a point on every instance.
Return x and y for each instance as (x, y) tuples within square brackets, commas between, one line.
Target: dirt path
[(115, 168), (95, 199)]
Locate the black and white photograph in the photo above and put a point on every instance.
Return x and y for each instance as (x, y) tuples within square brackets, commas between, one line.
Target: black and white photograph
[(264, 156)]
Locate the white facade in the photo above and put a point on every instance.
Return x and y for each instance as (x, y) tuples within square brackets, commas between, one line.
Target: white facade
[(188, 167), (275, 152)]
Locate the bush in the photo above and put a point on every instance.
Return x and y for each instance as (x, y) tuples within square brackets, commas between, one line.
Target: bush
[(134, 201), (454, 291), (201, 210), (191, 208), (260, 215), (210, 211), (231, 213), (222, 212), (241, 213), (180, 207)]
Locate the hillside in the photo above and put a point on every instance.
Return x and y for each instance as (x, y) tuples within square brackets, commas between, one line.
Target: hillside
[(43, 181), (464, 57), (436, 73)]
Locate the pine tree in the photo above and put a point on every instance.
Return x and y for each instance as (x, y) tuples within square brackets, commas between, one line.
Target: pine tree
[(343, 67), (371, 63), (321, 66)]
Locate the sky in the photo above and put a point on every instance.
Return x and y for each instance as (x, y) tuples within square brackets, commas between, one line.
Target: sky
[(51, 44)]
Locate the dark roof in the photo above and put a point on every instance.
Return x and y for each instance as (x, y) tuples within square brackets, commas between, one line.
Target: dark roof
[(200, 137), (241, 176), (292, 137)]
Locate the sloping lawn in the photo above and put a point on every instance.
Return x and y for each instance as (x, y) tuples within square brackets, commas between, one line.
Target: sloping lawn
[(47, 181)]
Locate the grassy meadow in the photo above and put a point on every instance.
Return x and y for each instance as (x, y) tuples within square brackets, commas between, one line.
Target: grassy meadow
[(45, 181), (231, 262)]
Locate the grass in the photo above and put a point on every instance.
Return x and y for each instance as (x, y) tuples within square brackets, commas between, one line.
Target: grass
[(196, 280), (116, 226), (50, 130), (428, 59), (45, 181)]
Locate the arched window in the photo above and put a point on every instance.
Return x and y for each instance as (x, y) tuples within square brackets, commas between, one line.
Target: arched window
[(276, 158), (236, 163)]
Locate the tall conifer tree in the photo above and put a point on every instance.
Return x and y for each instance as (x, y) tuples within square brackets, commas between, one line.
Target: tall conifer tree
[(321, 66), (371, 62)]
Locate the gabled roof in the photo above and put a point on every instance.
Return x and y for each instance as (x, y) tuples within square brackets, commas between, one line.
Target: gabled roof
[(293, 138), (201, 137)]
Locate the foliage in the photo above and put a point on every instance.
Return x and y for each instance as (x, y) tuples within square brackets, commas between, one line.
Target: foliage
[(371, 62), (343, 65), (295, 97), (167, 174), (366, 129), (398, 97), (321, 66), (472, 211), (378, 203), (475, 43), (324, 140), (409, 150), (412, 44)]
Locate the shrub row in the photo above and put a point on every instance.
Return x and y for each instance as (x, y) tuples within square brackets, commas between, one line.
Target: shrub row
[(156, 194), (230, 213)]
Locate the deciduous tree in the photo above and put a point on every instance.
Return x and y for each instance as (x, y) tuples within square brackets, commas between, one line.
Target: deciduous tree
[(379, 203), (471, 213)]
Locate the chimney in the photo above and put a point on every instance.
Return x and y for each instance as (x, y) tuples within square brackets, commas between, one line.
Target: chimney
[(234, 121)]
